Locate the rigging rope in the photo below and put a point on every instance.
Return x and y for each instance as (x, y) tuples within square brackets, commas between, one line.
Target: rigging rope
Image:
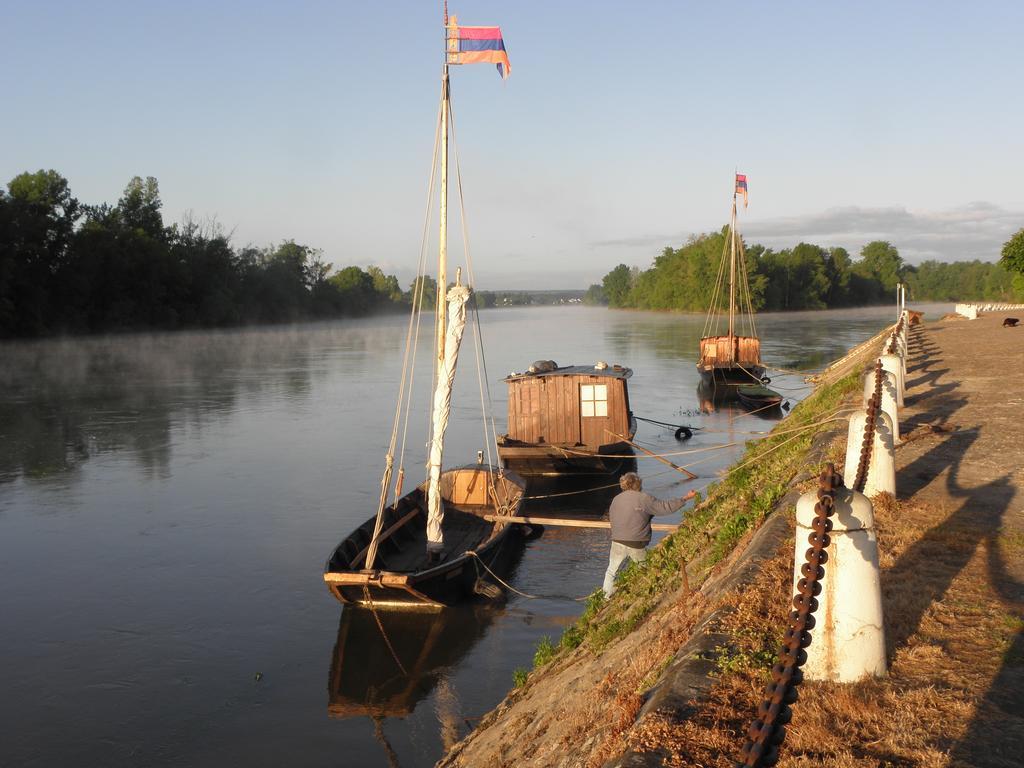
[(509, 587), (410, 349), (483, 380)]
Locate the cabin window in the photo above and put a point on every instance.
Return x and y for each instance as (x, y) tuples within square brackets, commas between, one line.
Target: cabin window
[(593, 400)]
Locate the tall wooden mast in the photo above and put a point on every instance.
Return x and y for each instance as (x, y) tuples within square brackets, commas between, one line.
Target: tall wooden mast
[(442, 255), (732, 279)]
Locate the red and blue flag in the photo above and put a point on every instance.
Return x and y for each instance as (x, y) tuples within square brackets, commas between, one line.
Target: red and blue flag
[(478, 45), (741, 186)]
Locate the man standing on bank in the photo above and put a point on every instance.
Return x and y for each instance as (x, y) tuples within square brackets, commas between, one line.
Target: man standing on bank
[(630, 514)]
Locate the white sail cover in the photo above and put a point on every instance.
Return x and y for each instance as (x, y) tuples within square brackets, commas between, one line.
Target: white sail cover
[(457, 298)]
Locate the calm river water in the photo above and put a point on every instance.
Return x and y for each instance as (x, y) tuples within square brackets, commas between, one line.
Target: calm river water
[(167, 502)]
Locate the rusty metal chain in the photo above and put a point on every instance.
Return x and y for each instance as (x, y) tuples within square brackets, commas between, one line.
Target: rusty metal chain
[(874, 406), (891, 349), (767, 732)]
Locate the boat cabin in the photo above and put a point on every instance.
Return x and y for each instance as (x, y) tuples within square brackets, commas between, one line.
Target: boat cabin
[(575, 405), (715, 352)]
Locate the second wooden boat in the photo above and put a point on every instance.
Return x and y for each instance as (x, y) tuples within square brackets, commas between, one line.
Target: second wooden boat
[(734, 357)]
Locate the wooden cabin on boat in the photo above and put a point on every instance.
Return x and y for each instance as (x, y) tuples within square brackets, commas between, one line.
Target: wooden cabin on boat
[(570, 420), (730, 359)]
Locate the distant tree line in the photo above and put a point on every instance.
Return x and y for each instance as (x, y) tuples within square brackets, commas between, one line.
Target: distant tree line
[(528, 298), (68, 267), (803, 277)]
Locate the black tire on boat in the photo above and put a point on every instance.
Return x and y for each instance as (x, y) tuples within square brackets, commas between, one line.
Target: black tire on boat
[(683, 433), (487, 590), (766, 380)]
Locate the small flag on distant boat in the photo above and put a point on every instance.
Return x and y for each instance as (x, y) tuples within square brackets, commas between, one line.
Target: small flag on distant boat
[(477, 45), (741, 186)]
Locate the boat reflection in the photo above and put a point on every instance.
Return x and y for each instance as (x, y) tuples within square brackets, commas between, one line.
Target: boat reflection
[(724, 401), (387, 662)]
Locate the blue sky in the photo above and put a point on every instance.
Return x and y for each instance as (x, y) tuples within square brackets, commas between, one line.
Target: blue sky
[(616, 135)]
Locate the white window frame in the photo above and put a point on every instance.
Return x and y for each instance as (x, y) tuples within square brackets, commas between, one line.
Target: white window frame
[(594, 400)]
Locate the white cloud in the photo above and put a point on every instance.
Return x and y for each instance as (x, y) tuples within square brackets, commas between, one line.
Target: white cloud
[(973, 231)]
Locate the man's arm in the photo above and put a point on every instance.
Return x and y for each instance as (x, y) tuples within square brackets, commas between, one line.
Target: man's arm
[(655, 507)]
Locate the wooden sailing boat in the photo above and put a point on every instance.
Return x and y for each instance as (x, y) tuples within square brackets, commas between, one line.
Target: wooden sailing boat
[(733, 358), (431, 547)]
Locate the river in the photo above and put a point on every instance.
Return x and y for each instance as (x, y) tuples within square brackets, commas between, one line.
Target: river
[(167, 502)]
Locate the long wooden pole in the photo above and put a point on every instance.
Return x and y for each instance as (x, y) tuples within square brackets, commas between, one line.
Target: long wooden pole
[(732, 279), (569, 522), (442, 255), (653, 455)]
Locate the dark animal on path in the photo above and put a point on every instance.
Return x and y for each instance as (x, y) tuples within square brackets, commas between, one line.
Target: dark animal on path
[(1010, 322)]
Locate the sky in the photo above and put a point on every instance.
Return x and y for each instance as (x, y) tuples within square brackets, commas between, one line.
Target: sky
[(616, 135)]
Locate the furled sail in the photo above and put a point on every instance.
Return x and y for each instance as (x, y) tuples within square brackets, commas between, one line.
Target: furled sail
[(457, 298)]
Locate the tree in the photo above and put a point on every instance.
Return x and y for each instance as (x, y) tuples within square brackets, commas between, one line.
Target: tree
[(595, 295), (807, 280), (429, 300), (39, 218), (386, 285), (837, 271), (1012, 255), (881, 261), (617, 284), (140, 206)]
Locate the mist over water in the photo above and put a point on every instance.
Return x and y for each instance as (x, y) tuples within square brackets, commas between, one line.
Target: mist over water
[(167, 502)]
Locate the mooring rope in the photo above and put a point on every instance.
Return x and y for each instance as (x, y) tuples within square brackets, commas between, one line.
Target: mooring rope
[(509, 587), (387, 641)]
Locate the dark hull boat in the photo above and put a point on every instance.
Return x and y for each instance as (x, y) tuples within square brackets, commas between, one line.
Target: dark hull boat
[(757, 397), (403, 575), (437, 545)]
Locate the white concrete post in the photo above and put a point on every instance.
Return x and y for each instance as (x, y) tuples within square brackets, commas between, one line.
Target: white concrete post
[(847, 641), (889, 402), (894, 364), (881, 475)]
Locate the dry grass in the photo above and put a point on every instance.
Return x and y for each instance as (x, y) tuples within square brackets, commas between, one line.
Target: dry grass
[(952, 649)]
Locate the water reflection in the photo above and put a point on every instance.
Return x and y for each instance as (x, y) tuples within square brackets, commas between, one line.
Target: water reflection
[(386, 662), (68, 400)]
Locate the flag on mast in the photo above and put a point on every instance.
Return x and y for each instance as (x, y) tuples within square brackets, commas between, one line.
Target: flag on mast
[(477, 45), (741, 186)]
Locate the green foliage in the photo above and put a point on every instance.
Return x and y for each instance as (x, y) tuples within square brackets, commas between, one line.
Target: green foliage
[(67, 267), (427, 286), (807, 277), (545, 652), (519, 676), (960, 280), (1012, 255), (595, 295), (616, 286), (729, 659)]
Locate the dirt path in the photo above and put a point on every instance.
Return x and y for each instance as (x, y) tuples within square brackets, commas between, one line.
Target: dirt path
[(955, 581)]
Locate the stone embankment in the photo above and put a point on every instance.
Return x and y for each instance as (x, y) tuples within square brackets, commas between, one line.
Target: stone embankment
[(666, 674)]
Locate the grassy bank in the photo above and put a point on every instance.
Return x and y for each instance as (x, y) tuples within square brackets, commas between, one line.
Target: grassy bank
[(733, 506)]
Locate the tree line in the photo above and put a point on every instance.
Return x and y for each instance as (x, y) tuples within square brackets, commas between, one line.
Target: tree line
[(69, 267), (805, 276)]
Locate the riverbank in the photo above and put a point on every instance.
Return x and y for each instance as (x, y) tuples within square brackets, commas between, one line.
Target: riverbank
[(951, 558)]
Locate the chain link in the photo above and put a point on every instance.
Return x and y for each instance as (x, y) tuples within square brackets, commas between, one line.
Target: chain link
[(767, 732)]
